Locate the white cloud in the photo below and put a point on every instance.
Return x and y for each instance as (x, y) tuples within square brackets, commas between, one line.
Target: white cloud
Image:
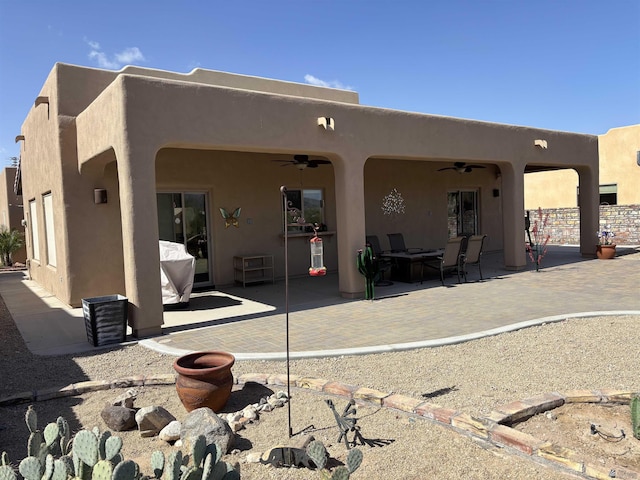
[(323, 83), (128, 56)]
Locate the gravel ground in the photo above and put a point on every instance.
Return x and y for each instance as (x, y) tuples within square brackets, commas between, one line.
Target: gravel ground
[(475, 377)]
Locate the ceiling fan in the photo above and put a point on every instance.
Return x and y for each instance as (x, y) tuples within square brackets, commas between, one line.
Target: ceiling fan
[(461, 167), (302, 161)]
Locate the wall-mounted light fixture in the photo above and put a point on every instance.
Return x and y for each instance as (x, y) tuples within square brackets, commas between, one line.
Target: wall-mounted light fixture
[(19, 138), (99, 196), (540, 143), (327, 123), (40, 100), (638, 159)]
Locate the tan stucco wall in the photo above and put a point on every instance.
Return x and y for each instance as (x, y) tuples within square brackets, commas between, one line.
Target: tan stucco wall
[(136, 131), (11, 213), (617, 150)]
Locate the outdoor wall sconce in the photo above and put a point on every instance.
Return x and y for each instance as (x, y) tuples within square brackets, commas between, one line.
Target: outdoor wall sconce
[(327, 123), (638, 159), (99, 196), (540, 143), (40, 100), (19, 138)]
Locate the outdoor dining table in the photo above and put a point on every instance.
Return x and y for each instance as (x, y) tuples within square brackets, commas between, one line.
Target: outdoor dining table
[(407, 266)]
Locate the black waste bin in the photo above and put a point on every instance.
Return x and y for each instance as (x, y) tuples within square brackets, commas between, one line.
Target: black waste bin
[(105, 319)]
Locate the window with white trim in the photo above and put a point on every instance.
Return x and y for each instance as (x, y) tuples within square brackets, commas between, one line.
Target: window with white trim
[(49, 231), (33, 228)]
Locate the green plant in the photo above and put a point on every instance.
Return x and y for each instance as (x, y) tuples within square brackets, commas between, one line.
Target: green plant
[(368, 267), (10, 242), (318, 453), (635, 415), (95, 455)]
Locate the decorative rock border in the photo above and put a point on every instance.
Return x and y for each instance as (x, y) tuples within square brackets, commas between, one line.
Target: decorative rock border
[(495, 429)]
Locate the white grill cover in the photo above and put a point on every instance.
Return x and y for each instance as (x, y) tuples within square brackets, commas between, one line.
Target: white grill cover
[(177, 269)]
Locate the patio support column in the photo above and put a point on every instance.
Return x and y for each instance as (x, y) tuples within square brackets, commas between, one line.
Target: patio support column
[(139, 216), (513, 217), (349, 183), (588, 205)]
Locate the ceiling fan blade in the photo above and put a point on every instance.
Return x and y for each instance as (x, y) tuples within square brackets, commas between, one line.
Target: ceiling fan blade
[(301, 158), (446, 168), (476, 166)]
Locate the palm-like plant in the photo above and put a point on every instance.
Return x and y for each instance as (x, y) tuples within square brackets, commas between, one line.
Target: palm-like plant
[(10, 242)]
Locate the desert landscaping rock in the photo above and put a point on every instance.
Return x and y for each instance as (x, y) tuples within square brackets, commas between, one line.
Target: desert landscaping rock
[(204, 421), (152, 419), (118, 418), (171, 432), (126, 399)]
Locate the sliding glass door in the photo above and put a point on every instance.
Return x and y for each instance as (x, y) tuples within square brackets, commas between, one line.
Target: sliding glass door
[(183, 218), (462, 213)]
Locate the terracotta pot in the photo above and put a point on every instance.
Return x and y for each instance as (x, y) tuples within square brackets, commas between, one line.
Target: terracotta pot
[(605, 252), (204, 379)]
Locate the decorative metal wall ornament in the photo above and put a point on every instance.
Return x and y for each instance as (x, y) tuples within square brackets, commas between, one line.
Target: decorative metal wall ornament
[(231, 219), (393, 204)]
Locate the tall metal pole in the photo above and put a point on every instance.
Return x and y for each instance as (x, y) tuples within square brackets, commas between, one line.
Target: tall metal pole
[(283, 191)]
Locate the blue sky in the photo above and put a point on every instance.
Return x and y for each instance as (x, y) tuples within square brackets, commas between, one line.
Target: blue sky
[(571, 65)]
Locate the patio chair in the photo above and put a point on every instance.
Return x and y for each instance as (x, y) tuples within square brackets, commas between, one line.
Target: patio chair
[(396, 241), (450, 260), (384, 264), (473, 254)]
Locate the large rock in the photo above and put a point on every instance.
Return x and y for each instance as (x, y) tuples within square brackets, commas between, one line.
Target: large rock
[(204, 421), (126, 399), (151, 420), (171, 432), (119, 418)]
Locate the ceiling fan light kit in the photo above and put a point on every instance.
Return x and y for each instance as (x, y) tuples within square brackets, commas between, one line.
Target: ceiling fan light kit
[(462, 167), (302, 161)]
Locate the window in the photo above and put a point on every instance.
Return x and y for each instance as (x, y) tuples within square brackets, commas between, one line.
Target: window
[(305, 206), (609, 194), (33, 226), (462, 213), (49, 231)]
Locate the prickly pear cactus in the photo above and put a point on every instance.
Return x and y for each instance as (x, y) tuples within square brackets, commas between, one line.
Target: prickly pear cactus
[(7, 473), (31, 468), (102, 470), (157, 463), (317, 453), (31, 417), (34, 443), (635, 415), (85, 446), (127, 470), (60, 470), (112, 447), (354, 460), (198, 450), (340, 473)]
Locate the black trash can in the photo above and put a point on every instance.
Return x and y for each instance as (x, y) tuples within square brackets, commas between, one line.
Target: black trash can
[(105, 319)]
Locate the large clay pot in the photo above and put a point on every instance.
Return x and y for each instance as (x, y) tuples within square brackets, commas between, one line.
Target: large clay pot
[(605, 252), (204, 379)]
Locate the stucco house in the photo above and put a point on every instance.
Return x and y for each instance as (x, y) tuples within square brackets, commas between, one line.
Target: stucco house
[(11, 213), (557, 192), (111, 162)]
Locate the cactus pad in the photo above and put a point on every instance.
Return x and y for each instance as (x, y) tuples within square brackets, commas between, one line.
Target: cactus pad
[(7, 473), (31, 468), (31, 417), (198, 450), (340, 473), (127, 470), (4, 459), (635, 415), (60, 470), (157, 463), (317, 453), (354, 460), (48, 467), (112, 447), (102, 470), (85, 445), (174, 462), (51, 434), (191, 473), (34, 442)]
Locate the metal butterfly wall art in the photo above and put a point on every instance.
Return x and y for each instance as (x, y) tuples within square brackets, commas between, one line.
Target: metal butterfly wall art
[(231, 219)]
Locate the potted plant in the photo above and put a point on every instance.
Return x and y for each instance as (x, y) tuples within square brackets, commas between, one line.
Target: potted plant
[(606, 249), (204, 379)]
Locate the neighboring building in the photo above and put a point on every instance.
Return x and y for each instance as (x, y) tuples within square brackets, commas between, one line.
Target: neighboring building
[(114, 161), (557, 192), (11, 213)]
